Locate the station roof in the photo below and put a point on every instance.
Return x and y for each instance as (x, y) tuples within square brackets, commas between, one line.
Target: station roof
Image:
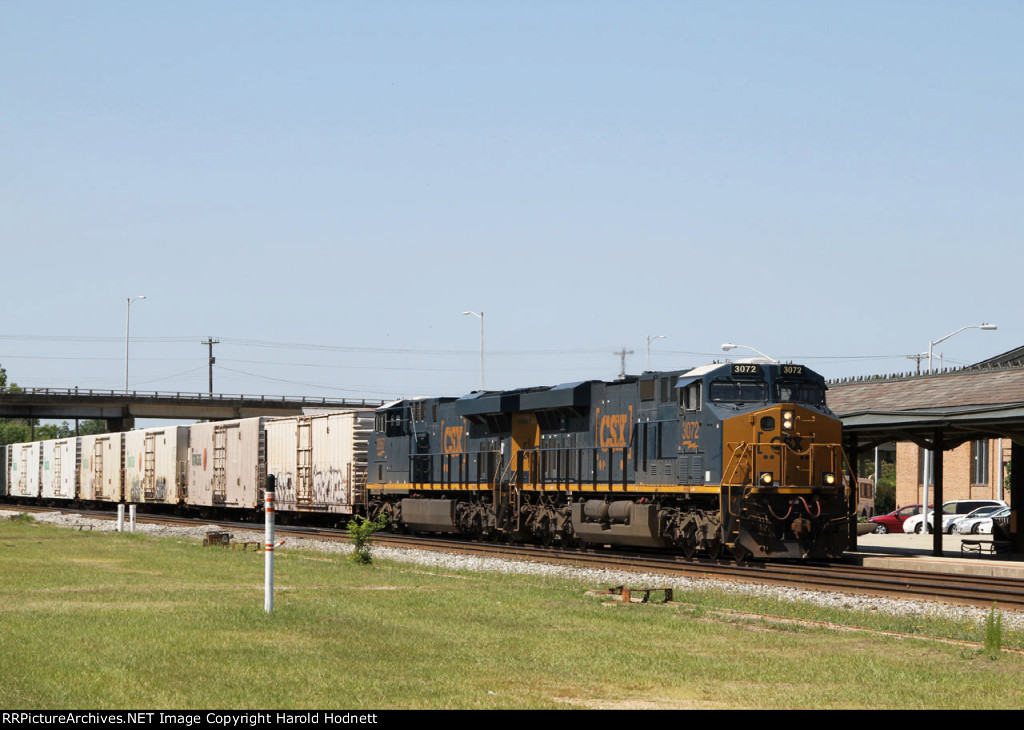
[(980, 401)]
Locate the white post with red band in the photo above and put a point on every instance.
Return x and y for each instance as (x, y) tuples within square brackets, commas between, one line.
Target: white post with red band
[(268, 547)]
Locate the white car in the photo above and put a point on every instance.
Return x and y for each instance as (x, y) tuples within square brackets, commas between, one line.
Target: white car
[(981, 525), (913, 523), (950, 511)]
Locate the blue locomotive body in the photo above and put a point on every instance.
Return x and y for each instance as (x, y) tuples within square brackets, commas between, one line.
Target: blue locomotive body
[(737, 456)]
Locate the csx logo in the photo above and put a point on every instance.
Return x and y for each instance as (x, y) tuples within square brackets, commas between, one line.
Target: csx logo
[(613, 429), (452, 439)]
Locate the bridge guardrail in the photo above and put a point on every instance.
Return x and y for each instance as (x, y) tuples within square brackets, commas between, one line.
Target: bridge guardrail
[(179, 395)]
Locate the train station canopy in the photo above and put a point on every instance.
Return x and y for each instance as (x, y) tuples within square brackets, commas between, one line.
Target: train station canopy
[(939, 411), (964, 404)]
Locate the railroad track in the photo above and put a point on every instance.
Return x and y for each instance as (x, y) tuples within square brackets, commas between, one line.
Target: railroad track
[(958, 589), (965, 590)]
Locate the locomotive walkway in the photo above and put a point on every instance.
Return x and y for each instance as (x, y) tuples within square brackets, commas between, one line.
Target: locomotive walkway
[(120, 409)]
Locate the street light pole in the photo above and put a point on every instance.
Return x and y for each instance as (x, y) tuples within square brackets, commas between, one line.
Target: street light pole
[(127, 329), (480, 316), (730, 346), (929, 459), (649, 339), (931, 345)]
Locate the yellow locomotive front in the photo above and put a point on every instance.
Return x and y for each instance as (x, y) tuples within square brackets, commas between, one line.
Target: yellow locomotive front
[(784, 485)]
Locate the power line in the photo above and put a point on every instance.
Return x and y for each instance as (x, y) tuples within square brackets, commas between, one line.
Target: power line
[(269, 344)]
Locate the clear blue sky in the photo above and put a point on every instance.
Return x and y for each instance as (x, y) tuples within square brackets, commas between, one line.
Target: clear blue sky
[(326, 186)]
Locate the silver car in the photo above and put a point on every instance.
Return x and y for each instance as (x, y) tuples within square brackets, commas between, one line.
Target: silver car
[(981, 525), (956, 520)]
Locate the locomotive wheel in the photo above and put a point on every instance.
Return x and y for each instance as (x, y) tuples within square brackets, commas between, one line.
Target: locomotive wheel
[(714, 545), (474, 527), (740, 554), (547, 534), (688, 545), (567, 538)]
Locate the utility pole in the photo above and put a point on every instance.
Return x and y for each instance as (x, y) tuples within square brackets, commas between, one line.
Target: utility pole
[(919, 358), (210, 343), (622, 353)]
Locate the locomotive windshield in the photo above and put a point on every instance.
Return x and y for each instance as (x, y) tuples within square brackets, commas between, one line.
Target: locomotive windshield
[(792, 391), (729, 391)]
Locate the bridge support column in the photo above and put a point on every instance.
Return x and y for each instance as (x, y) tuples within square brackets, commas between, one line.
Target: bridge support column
[(125, 423)]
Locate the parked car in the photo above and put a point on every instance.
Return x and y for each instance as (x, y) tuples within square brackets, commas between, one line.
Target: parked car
[(981, 525), (950, 510), (893, 522), (913, 523), (955, 522)]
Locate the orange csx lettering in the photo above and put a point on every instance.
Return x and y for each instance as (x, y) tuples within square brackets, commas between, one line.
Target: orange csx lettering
[(614, 430), (453, 440)]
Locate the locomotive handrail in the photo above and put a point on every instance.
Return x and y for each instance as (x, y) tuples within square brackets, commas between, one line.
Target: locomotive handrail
[(508, 473), (446, 458), (538, 473)]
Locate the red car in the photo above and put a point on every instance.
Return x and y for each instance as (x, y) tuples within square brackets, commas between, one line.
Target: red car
[(893, 522)]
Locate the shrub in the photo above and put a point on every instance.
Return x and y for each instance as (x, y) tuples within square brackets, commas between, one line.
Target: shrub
[(360, 531)]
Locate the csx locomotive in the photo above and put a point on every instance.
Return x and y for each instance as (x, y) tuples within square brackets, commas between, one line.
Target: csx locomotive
[(740, 456)]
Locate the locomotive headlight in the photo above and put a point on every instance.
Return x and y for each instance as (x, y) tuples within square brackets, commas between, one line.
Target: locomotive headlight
[(765, 478), (828, 479), (787, 420)]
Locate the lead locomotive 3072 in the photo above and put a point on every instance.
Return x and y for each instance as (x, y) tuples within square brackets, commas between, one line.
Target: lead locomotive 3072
[(742, 456)]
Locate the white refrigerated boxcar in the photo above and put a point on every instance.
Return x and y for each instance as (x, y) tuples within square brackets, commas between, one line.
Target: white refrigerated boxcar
[(154, 465), (319, 461), (60, 468), (224, 466), (99, 474), (23, 480)]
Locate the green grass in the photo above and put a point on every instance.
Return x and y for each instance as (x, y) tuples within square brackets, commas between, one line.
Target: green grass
[(100, 620)]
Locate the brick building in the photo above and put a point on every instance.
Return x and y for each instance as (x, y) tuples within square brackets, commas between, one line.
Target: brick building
[(973, 470)]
